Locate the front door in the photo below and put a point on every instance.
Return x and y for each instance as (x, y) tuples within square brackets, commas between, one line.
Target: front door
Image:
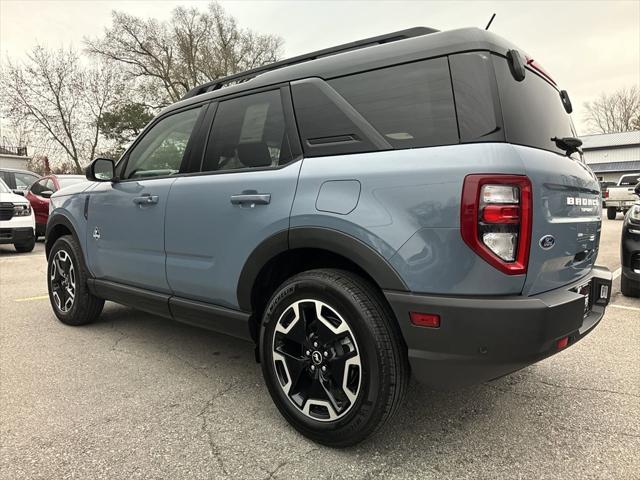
[(125, 223), (242, 196)]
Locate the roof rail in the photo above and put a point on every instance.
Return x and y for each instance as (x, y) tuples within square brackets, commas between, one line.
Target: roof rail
[(367, 42)]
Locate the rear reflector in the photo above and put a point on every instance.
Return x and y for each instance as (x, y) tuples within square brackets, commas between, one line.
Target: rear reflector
[(425, 319), (562, 343)]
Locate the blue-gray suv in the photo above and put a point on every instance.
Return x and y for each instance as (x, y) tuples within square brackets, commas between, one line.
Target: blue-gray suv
[(410, 203)]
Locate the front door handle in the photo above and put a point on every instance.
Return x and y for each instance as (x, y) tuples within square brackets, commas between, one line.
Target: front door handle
[(146, 199), (251, 199)]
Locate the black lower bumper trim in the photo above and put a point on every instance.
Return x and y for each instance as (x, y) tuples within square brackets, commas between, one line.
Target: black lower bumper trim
[(16, 235), (480, 339)]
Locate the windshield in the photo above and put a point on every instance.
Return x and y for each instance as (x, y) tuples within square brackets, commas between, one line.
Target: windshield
[(3, 187), (67, 181)]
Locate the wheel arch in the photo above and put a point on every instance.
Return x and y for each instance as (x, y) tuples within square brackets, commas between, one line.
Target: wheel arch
[(304, 248), (57, 226)]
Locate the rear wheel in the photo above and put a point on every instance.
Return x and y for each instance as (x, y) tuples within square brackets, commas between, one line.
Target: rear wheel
[(628, 287), (67, 276), (611, 213), (332, 356)]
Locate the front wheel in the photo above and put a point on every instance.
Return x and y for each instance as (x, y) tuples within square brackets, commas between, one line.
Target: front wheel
[(69, 294), (332, 356), (611, 213)]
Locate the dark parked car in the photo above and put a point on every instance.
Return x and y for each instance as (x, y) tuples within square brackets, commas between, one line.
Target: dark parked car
[(39, 193), (630, 251), (18, 180)]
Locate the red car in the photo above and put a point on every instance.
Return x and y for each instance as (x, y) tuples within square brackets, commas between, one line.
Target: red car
[(39, 193)]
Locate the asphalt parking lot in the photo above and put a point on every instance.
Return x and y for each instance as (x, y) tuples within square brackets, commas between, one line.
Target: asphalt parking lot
[(136, 396)]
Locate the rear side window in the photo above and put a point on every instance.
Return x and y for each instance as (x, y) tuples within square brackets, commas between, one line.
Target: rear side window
[(248, 132), (410, 105), (532, 110), (404, 106), (23, 180)]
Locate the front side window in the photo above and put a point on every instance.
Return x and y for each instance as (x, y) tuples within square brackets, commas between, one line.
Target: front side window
[(161, 150), (248, 132), (49, 185)]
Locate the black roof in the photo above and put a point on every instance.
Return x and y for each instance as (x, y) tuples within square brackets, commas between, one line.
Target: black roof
[(400, 47)]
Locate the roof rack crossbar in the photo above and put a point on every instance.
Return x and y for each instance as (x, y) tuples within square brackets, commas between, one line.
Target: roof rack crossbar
[(367, 42)]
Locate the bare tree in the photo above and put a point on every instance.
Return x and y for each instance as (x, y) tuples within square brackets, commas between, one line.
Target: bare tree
[(615, 112), (167, 59), (60, 99)]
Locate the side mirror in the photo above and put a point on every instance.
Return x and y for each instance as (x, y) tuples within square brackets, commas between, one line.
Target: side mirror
[(46, 194), (637, 189), (18, 191), (101, 170)]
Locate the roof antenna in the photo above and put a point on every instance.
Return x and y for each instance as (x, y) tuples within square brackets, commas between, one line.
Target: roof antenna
[(489, 24)]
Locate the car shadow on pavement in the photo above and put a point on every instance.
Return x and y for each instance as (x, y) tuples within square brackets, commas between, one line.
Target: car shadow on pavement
[(425, 412)]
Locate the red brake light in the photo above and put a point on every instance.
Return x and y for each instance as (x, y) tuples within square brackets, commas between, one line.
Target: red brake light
[(605, 194), (501, 214), (492, 217), (538, 68)]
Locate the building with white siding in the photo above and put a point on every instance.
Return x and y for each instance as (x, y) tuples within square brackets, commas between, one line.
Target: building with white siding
[(611, 155)]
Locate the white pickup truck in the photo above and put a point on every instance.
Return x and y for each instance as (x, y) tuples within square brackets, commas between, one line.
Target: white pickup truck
[(621, 197)]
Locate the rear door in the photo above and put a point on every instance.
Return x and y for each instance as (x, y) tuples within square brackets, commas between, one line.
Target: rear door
[(566, 193), (125, 221), (241, 197)]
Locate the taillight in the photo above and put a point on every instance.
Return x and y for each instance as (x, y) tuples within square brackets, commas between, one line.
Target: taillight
[(495, 220), (605, 194)]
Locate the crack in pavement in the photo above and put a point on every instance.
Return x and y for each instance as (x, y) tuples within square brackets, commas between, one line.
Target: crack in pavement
[(271, 474), (588, 389), (214, 450)]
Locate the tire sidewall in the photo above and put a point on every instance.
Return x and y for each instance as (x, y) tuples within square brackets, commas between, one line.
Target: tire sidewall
[(66, 243), (362, 411)]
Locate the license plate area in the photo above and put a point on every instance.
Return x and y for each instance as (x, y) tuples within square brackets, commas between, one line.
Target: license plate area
[(585, 291)]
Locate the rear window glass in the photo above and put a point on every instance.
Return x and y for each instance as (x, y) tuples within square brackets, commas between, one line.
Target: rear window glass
[(532, 110), (410, 105), (630, 180)]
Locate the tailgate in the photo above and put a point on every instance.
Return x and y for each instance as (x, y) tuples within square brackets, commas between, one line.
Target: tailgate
[(566, 220)]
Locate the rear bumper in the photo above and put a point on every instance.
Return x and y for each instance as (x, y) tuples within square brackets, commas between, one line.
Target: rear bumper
[(621, 204), (481, 339), (16, 235)]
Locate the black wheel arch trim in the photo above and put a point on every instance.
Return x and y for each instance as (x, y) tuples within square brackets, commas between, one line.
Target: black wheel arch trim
[(54, 221), (334, 241)]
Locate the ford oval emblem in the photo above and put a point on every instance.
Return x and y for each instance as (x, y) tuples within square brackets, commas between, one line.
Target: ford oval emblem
[(547, 242)]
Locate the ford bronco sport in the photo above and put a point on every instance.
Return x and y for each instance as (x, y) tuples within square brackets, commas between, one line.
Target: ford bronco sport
[(413, 202)]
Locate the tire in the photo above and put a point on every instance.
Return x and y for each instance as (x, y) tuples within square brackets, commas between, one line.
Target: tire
[(367, 388), (611, 213), (66, 263), (628, 287), (25, 247)]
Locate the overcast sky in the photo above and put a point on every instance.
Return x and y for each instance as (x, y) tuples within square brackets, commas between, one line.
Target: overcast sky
[(587, 46)]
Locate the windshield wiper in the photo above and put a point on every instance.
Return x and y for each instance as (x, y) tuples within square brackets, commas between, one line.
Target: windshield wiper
[(568, 144)]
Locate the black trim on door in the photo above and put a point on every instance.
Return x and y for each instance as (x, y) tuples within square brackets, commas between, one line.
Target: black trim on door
[(200, 314)]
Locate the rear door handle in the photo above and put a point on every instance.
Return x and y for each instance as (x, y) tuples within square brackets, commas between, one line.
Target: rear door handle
[(146, 199), (251, 199)]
